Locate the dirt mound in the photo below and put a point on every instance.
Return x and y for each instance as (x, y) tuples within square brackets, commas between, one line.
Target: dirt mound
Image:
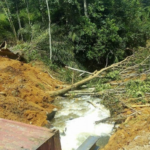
[(24, 92)]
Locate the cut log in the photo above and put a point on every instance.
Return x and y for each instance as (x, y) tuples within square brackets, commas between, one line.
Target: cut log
[(80, 94), (83, 72), (88, 90), (136, 106), (118, 120), (94, 75)]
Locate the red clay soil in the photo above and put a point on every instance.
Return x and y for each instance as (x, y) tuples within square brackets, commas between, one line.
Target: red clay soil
[(26, 88)]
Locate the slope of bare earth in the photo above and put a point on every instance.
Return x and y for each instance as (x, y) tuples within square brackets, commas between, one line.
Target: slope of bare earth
[(24, 92), (24, 97), (133, 134), (132, 90)]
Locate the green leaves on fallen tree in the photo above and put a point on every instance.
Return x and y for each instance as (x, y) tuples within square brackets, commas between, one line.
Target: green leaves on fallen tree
[(137, 88)]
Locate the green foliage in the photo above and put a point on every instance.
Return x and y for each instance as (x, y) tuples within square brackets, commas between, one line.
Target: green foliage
[(29, 53), (137, 88), (101, 87), (30, 32), (5, 30), (111, 102), (114, 75), (94, 40), (67, 75)]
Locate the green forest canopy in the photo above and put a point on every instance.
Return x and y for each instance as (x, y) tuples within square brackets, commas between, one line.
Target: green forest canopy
[(92, 32)]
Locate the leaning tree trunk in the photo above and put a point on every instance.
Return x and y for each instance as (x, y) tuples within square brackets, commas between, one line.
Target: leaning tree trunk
[(42, 18), (19, 22), (7, 12), (49, 19), (95, 74), (27, 9)]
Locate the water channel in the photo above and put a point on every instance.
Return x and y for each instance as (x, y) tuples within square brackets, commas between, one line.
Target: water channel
[(76, 120)]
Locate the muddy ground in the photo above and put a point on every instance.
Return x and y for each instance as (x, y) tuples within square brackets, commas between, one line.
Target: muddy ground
[(133, 134), (24, 97), (24, 92)]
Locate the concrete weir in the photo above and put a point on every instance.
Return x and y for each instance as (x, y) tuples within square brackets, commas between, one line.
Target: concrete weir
[(90, 143)]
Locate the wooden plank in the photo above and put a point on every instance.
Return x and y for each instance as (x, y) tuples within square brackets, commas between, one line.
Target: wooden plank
[(20, 136)]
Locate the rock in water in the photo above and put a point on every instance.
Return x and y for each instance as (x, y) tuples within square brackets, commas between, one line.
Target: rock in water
[(51, 115)]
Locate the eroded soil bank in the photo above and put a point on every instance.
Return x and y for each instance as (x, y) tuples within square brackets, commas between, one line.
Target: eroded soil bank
[(129, 97), (24, 92), (133, 134), (24, 97)]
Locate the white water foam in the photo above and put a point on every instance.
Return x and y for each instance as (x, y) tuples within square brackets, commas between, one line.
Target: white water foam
[(79, 129)]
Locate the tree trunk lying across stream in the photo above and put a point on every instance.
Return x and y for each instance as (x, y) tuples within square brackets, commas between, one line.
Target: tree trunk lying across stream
[(75, 85)]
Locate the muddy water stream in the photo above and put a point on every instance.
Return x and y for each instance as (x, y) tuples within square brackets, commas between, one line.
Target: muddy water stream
[(76, 120)]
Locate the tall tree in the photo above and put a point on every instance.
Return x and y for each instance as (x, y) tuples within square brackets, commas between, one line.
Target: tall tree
[(9, 17), (19, 22), (27, 9), (85, 8), (50, 40)]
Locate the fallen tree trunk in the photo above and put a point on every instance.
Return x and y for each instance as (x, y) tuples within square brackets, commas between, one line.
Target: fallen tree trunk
[(136, 106), (80, 94), (92, 104), (117, 120), (75, 85), (83, 72)]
